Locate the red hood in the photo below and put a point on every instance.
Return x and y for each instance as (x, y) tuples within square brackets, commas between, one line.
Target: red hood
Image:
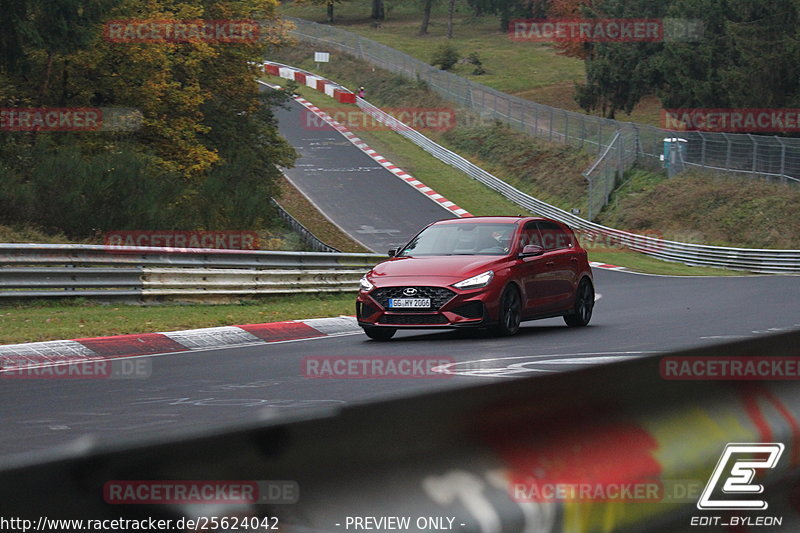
[(454, 266)]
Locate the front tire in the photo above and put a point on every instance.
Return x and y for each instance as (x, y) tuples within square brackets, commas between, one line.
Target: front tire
[(379, 334), (584, 304), (510, 312)]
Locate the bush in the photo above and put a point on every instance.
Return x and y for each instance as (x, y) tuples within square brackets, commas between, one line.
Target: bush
[(474, 59), (445, 56), (65, 188)]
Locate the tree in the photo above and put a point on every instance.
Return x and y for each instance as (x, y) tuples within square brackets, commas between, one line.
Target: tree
[(427, 5), (329, 5), (451, 8), (570, 9), (208, 146), (619, 74), (378, 11), (506, 9), (55, 29), (747, 57), (617, 78)]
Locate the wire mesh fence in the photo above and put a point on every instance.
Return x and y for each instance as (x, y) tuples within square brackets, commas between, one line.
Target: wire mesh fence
[(759, 156), (606, 173)]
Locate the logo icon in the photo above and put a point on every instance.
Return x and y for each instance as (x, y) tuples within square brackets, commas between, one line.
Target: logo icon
[(411, 291), (739, 462)]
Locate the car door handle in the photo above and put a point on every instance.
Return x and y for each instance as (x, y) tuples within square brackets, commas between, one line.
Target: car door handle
[(550, 263), (574, 259)]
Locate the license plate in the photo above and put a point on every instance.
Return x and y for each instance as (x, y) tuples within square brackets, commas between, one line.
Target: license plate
[(396, 303)]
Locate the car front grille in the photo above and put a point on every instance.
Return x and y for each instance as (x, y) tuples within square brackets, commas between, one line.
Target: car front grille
[(438, 296), (413, 320)]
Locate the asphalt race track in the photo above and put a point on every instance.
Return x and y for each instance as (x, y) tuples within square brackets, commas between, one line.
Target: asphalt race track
[(364, 199), (635, 316)]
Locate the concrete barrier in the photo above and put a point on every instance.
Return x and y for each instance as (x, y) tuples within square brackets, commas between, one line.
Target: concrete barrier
[(466, 459)]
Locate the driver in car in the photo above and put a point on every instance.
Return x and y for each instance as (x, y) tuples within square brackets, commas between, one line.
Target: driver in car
[(497, 242)]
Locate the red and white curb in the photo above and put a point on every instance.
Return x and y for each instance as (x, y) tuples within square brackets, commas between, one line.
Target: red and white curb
[(338, 92), (606, 266), (35, 354), (388, 165)]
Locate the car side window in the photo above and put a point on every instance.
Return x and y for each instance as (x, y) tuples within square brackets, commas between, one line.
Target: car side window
[(553, 236), (529, 235)]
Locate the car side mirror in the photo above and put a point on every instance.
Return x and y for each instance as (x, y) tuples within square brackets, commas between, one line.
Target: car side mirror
[(393, 252), (531, 250)]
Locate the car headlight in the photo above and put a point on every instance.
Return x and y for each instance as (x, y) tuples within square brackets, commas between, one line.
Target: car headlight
[(365, 285), (475, 282)]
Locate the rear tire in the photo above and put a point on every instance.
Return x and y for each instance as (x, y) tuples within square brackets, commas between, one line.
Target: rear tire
[(584, 304), (379, 334), (510, 312)]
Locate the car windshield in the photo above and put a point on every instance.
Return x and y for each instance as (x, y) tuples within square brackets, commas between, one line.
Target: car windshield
[(461, 239)]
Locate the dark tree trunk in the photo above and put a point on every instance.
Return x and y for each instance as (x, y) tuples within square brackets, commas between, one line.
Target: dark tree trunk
[(46, 82), (378, 12), (426, 17), (451, 8), (505, 19), (330, 11)]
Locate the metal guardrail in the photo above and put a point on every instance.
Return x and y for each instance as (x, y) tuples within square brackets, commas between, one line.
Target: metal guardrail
[(308, 237), (73, 270), (473, 454), (750, 259), (189, 281)]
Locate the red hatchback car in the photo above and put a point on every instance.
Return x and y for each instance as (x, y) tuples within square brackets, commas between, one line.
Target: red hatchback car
[(479, 272)]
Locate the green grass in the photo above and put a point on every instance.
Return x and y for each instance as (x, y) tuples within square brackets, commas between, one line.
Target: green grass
[(529, 70), (42, 320), (511, 66), (704, 208)]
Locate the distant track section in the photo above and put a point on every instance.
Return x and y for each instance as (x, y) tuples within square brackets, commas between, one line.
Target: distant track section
[(360, 195)]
